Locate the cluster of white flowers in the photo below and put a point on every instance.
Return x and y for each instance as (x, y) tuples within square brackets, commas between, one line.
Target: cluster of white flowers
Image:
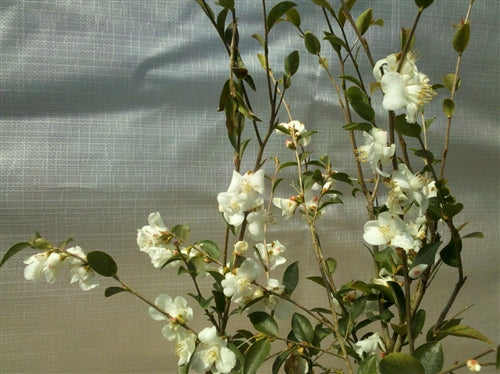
[(244, 197), (408, 88), (207, 350), (48, 264), (297, 131)]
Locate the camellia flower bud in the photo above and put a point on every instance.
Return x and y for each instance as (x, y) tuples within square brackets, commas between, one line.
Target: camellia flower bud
[(473, 365), (240, 248)]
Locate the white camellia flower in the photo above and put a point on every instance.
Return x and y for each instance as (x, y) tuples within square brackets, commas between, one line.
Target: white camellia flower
[(408, 89), (287, 206), (212, 353), (35, 266), (375, 150), (240, 247), (82, 273), (182, 313), (270, 253), (369, 345), (406, 190), (257, 221), (388, 229), (244, 193), (295, 129), (151, 239), (282, 308), (238, 284)]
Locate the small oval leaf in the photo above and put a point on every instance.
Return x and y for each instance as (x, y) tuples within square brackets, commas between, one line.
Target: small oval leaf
[(110, 291), (312, 43), (102, 263), (461, 37), (264, 323), (277, 11), (397, 363), (13, 250)]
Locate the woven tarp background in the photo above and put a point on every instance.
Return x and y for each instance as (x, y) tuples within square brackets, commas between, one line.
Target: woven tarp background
[(108, 113)]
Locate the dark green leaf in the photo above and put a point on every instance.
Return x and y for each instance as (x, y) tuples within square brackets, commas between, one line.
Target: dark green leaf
[(423, 3), (417, 322), (110, 291), (341, 17), (317, 280), (264, 323), (204, 303), (351, 79), (354, 93), (450, 210), (364, 21), (405, 128), (398, 363), (229, 4), (336, 43), (312, 43), (461, 37), (210, 248), (448, 108), (278, 11), (292, 62), (426, 254), (368, 365), (302, 328), (280, 360), (449, 254), (364, 110), (291, 278), (102, 263), (357, 308), (430, 356), (13, 250), (221, 21), (206, 8), (425, 154), (256, 355), (399, 298), (342, 177)]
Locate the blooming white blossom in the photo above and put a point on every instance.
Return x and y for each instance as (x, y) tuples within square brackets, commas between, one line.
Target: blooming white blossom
[(369, 345), (430, 190), (244, 193), (406, 190), (388, 229), (82, 273), (287, 206), (375, 150), (270, 253), (408, 88), (212, 353), (238, 284), (151, 239), (282, 308), (257, 221), (36, 265), (295, 130), (180, 313)]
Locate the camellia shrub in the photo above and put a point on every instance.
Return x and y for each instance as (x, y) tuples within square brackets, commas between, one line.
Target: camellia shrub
[(365, 326)]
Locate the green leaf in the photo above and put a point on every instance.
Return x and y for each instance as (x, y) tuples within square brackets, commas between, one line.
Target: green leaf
[(291, 278), (280, 360), (102, 263), (324, 4), (229, 4), (399, 298), (425, 154), (341, 17), (277, 11), (431, 357), (476, 235), (423, 3), (256, 355), (261, 41), (426, 254), (302, 328), (293, 16), (221, 21), (331, 264), (368, 365), (448, 81), (181, 231), (464, 332), (398, 363), (357, 308), (461, 37), (417, 322), (342, 177), (364, 21), (449, 254), (110, 291), (312, 43), (336, 43), (364, 110), (264, 323), (498, 357), (210, 248), (292, 62), (448, 108), (363, 126), (204, 303), (405, 128), (13, 250), (206, 8)]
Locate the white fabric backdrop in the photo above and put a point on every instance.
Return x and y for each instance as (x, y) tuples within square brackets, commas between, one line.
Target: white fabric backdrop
[(107, 113)]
